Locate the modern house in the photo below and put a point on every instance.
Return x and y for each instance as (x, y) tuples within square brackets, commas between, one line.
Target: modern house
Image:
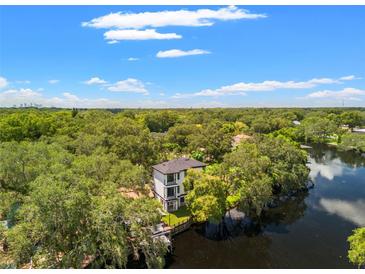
[(168, 177)]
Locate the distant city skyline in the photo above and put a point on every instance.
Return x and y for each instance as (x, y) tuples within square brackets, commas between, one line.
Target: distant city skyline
[(182, 56)]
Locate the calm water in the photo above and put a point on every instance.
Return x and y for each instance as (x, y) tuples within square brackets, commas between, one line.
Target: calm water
[(309, 231)]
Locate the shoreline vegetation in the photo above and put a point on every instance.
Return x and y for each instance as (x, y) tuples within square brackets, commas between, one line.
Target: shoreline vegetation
[(60, 172)]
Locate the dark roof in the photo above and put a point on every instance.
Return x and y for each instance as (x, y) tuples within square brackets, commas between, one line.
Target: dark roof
[(177, 165)]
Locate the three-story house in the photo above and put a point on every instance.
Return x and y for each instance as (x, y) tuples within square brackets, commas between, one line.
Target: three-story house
[(168, 177)]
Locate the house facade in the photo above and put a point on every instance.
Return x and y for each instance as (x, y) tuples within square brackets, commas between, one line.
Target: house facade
[(167, 179)]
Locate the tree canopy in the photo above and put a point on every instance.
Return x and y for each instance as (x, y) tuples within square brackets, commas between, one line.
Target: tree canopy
[(63, 172)]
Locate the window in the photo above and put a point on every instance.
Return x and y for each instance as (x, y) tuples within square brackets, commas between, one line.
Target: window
[(170, 178), (170, 191), (178, 175), (182, 200), (171, 206), (178, 189)]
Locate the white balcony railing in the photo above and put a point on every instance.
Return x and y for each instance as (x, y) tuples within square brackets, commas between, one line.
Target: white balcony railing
[(171, 183)]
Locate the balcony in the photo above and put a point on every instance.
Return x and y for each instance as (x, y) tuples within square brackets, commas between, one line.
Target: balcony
[(171, 193), (171, 183)]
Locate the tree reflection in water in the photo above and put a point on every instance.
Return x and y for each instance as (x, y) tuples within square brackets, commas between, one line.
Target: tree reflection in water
[(236, 223), (324, 154)]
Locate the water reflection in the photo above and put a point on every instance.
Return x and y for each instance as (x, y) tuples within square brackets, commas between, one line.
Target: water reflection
[(328, 170), (236, 223), (322, 154), (277, 219), (353, 211), (330, 162)]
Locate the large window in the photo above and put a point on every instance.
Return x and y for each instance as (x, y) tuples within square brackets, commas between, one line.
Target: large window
[(171, 192), (170, 178)]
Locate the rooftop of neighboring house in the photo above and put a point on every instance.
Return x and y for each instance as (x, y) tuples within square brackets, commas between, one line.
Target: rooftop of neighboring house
[(177, 165), (239, 138)]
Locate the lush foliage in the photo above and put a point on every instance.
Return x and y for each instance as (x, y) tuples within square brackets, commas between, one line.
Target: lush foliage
[(71, 209), (63, 173), (206, 199), (356, 252), (250, 176), (353, 141)]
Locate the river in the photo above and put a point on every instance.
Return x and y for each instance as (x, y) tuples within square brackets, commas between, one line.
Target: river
[(308, 231)]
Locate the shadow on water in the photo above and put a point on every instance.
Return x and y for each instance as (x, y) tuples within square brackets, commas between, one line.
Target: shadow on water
[(239, 236), (236, 223)]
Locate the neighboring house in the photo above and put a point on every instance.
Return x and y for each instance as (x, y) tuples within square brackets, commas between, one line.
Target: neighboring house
[(168, 177), (236, 140)]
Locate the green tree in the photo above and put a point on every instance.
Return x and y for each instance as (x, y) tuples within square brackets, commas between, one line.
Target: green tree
[(353, 141), (356, 253), (72, 211), (318, 130), (160, 121), (245, 171), (206, 199), (179, 134), (352, 118), (212, 140)]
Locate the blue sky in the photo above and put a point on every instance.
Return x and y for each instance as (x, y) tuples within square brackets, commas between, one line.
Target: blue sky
[(182, 56)]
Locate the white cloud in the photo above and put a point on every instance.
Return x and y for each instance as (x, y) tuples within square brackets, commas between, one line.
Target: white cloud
[(348, 78), (21, 93), (346, 93), (22, 82), (173, 53), (113, 42), (132, 34), (197, 18), (133, 59), (242, 87), (53, 81), (95, 81), (67, 100), (129, 85), (141, 26), (3, 82), (353, 211), (329, 169)]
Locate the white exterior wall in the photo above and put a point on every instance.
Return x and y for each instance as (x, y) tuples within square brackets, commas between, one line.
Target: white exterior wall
[(158, 179)]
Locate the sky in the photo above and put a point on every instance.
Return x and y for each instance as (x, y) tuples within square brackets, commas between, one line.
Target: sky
[(182, 56)]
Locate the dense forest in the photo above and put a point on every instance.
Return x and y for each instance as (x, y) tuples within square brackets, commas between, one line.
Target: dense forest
[(62, 172)]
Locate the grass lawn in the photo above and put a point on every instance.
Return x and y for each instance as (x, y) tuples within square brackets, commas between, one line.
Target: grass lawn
[(179, 216)]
